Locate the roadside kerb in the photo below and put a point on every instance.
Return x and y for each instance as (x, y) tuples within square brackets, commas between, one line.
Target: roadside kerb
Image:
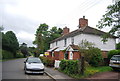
[(49, 75)]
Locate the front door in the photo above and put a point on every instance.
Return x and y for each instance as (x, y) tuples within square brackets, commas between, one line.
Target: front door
[(71, 55)]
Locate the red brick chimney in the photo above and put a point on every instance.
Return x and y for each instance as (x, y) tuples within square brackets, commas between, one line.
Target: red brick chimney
[(83, 22), (65, 30)]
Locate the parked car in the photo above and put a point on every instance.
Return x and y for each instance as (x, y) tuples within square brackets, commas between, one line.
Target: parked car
[(115, 62), (33, 65)]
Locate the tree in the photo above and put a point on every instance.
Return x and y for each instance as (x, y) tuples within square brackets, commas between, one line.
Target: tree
[(24, 50), (45, 36), (111, 19), (41, 34), (10, 42), (91, 54), (1, 28), (118, 46)]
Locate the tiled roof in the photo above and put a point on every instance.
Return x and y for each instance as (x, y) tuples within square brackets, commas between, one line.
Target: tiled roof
[(87, 30), (75, 47)]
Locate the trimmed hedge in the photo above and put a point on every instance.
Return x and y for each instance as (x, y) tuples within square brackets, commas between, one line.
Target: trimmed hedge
[(69, 66), (113, 52)]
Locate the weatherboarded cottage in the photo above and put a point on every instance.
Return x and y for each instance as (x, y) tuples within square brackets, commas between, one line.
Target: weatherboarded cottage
[(67, 46)]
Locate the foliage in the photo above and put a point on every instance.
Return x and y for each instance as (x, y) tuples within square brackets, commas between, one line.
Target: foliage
[(48, 61), (10, 42), (94, 56), (69, 66), (113, 52), (24, 50), (84, 45), (89, 71), (111, 19), (1, 28), (19, 55), (0, 54), (44, 37), (7, 54), (118, 46)]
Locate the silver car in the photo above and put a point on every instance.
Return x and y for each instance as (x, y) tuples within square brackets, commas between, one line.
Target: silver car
[(33, 65), (115, 62)]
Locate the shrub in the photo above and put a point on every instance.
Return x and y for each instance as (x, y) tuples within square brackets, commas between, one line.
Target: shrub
[(94, 56), (7, 54), (19, 55), (69, 66), (48, 61), (113, 52)]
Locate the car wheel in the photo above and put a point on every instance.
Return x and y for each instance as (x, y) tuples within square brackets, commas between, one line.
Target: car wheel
[(115, 69)]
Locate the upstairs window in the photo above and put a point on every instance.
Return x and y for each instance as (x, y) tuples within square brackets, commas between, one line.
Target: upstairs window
[(72, 40), (65, 42), (56, 43)]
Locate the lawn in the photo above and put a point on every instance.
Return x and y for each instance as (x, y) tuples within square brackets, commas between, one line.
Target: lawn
[(90, 71)]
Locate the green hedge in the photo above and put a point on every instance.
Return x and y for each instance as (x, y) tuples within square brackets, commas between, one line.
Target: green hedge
[(113, 52), (7, 54), (69, 66)]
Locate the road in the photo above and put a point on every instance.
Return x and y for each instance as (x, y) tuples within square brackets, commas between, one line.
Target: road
[(14, 69)]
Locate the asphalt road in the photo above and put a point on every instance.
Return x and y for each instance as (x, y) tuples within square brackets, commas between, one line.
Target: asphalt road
[(14, 69)]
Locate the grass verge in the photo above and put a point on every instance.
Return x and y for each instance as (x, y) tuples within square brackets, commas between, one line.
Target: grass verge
[(89, 71)]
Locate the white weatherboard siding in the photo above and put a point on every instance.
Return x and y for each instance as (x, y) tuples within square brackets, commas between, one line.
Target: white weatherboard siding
[(109, 45)]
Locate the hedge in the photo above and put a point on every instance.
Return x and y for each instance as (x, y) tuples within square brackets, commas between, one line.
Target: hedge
[(69, 66), (113, 52)]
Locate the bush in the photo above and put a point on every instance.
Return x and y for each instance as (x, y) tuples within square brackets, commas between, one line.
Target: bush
[(48, 61), (19, 55), (113, 52), (69, 66), (7, 54), (94, 56)]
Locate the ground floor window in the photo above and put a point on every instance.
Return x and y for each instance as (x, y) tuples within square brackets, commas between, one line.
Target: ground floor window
[(66, 55)]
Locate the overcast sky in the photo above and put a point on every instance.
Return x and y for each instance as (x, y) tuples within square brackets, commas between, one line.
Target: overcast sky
[(24, 16)]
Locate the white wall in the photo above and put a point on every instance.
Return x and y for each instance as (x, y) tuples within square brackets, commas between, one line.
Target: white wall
[(110, 44)]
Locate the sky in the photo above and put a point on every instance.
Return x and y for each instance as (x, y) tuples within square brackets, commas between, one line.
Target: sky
[(24, 16)]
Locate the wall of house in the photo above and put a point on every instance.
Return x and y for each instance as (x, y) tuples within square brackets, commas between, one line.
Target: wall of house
[(109, 45)]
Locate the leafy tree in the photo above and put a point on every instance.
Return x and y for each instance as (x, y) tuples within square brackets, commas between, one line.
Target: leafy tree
[(24, 49), (45, 36), (41, 34), (1, 28), (91, 54), (118, 46), (10, 42), (111, 19)]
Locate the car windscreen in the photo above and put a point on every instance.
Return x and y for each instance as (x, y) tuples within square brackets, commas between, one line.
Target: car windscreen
[(34, 60), (116, 58)]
